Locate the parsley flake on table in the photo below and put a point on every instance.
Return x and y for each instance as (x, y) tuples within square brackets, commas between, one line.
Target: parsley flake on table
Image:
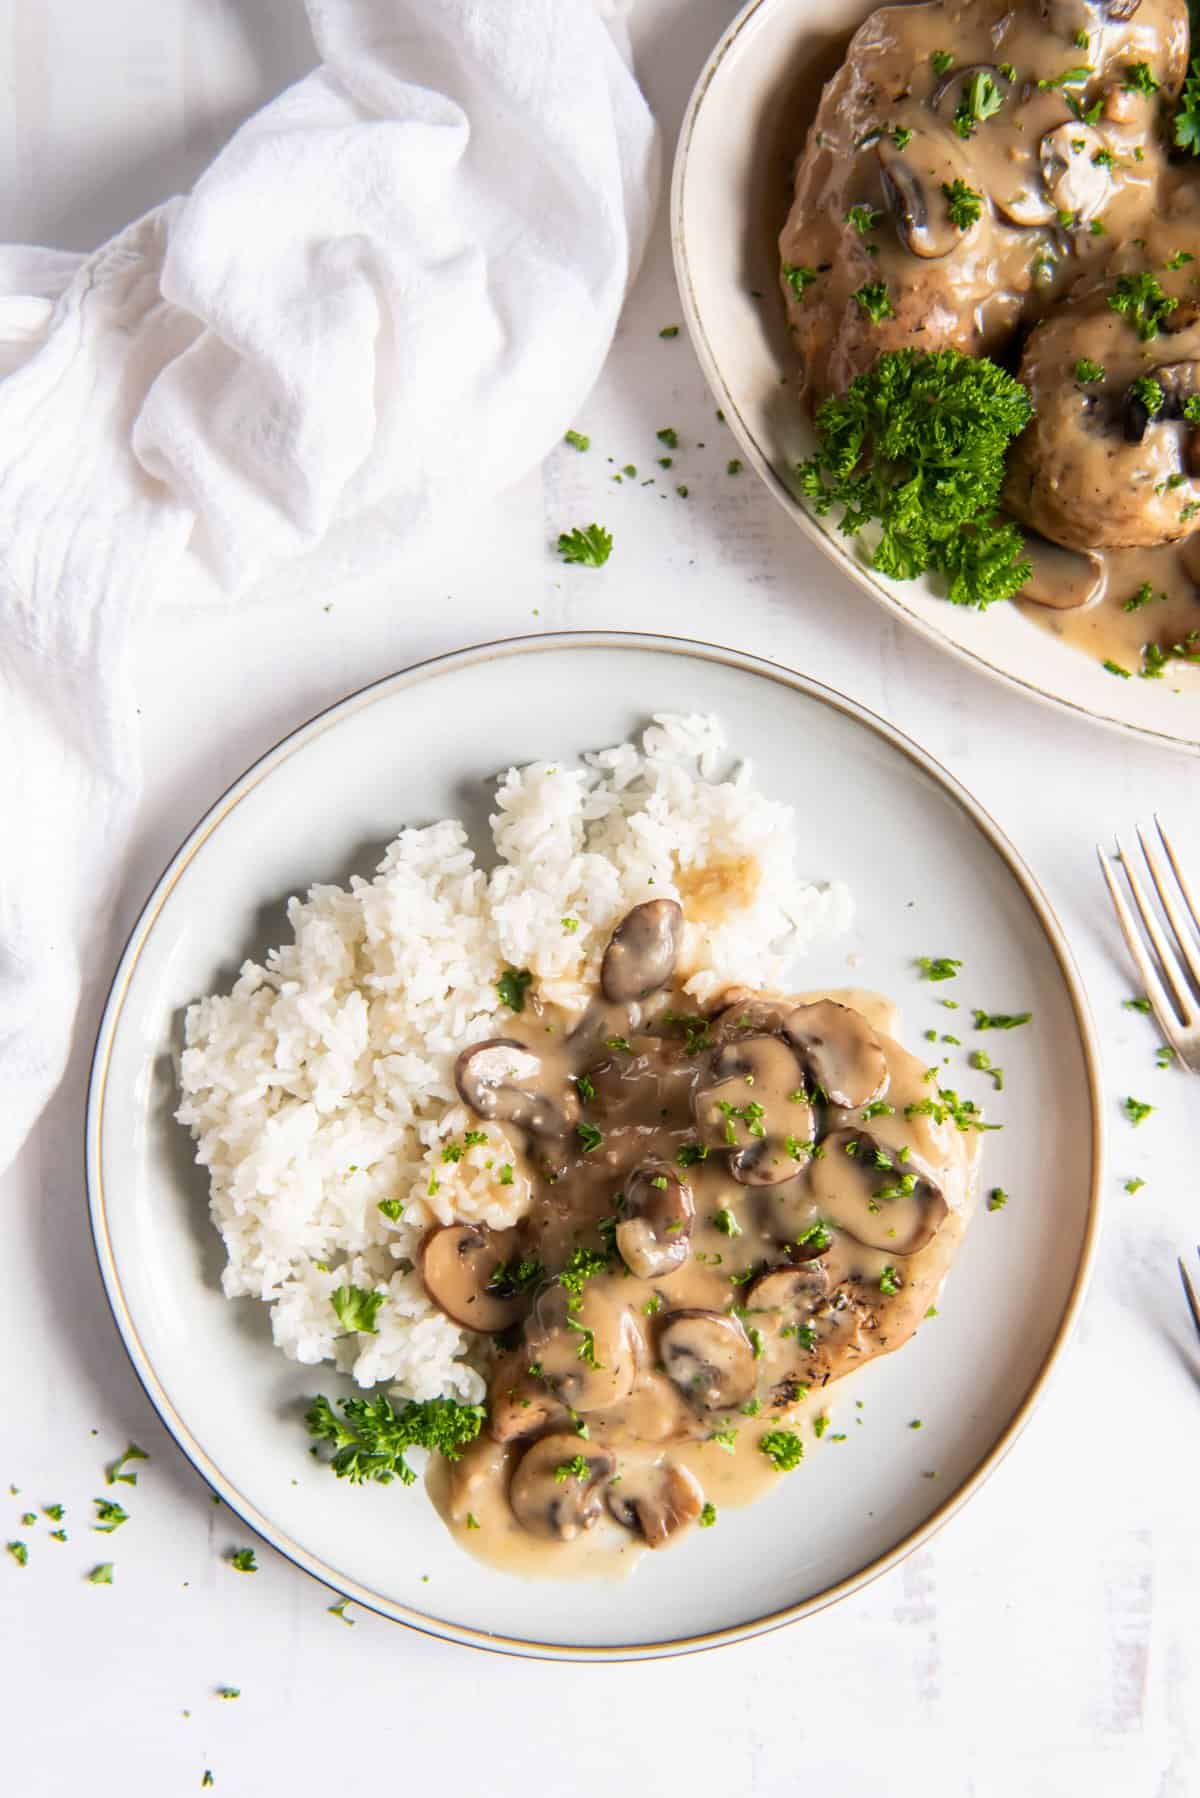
[(783, 1449), (109, 1515), (116, 1469), (101, 1575), (19, 1552), (229, 1692), (208, 1778), (918, 445), (1163, 1056), (997, 1199), (357, 1310), (668, 435), (1135, 1184), (370, 1443), (669, 331), (242, 1561), (1136, 1110), (578, 441), (588, 545), (339, 1610), (512, 986)]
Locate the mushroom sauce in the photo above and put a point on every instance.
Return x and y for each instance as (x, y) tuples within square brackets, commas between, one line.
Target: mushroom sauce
[(728, 1213), (1050, 122)]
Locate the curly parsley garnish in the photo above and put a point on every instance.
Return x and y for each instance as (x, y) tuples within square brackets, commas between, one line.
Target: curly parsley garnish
[(371, 1443), (962, 203), (512, 987), (876, 301), (918, 443), (864, 219), (1087, 371), (242, 1561), (979, 101), (799, 278), (1136, 1110), (357, 1310)]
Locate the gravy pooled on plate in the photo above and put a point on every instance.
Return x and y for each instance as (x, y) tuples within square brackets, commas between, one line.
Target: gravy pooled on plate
[(728, 1212)]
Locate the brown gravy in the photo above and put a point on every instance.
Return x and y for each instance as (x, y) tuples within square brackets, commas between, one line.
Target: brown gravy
[(715, 1234), (1069, 161)]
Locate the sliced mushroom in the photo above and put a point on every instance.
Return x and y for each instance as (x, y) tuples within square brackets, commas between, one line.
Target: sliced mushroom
[(588, 1357), (912, 185), (788, 1288), (654, 1234), (840, 1050), (1074, 180), (656, 1501), (868, 1191), (708, 1357), (745, 1016), (458, 1264), (520, 1404), (751, 1102), (504, 1081), (1178, 383), (643, 951), (1061, 578), (1069, 16), (557, 1490)]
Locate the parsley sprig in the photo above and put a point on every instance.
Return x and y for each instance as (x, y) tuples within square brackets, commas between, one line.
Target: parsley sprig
[(371, 1442)]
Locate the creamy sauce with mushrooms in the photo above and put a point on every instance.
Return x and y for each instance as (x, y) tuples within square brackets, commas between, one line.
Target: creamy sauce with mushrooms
[(763, 1202), (1066, 157)]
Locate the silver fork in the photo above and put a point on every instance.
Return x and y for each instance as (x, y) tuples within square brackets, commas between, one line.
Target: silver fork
[(1189, 1292), (1171, 975)]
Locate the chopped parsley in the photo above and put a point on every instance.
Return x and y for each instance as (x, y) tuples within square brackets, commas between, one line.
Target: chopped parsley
[(512, 986), (339, 1610), (1087, 371), (116, 1469), (54, 1512), (799, 1150), (577, 1468), (783, 1449), (820, 1424), (1141, 1004), (726, 1223), (1136, 1110), (589, 545), (19, 1552), (1163, 1057), (1134, 1185), (513, 1277), (578, 441), (242, 1561), (590, 1138), (109, 1515), (817, 1236), (370, 1442), (875, 301), (668, 435), (878, 1108), (890, 1282), (1076, 77), (583, 1265), (799, 278), (997, 1199), (938, 967), (653, 1305), (864, 219), (357, 1310), (101, 1575), (942, 61), (726, 1438), (619, 1043), (585, 1088), (733, 466), (1112, 667), (1139, 79), (229, 1692), (392, 1208), (1140, 300), (1149, 394), (669, 331), (980, 100), (963, 204), (1000, 1020), (1144, 594), (1179, 258), (982, 1061), (585, 1349), (707, 1517), (690, 1153), (918, 443)]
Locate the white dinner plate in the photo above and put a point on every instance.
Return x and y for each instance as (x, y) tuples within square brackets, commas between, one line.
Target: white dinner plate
[(731, 193), (931, 875)]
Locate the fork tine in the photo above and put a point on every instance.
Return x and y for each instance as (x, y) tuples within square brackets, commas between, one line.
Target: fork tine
[(1190, 1293), (1182, 935), (1180, 876), (1154, 989), (1150, 924)]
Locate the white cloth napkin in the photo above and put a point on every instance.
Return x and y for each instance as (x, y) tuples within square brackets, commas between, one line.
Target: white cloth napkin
[(396, 282)]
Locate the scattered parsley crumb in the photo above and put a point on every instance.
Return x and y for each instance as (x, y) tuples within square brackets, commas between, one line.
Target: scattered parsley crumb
[(708, 1517), (578, 441), (589, 546), (339, 1610), (1136, 1110), (19, 1552), (116, 1469), (242, 1561), (669, 331), (1134, 1185), (101, 1575)]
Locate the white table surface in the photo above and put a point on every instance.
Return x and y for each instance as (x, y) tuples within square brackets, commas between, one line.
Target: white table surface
[(1047, 1642)]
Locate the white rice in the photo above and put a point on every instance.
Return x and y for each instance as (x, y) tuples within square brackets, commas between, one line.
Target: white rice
[(322, 1084)]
